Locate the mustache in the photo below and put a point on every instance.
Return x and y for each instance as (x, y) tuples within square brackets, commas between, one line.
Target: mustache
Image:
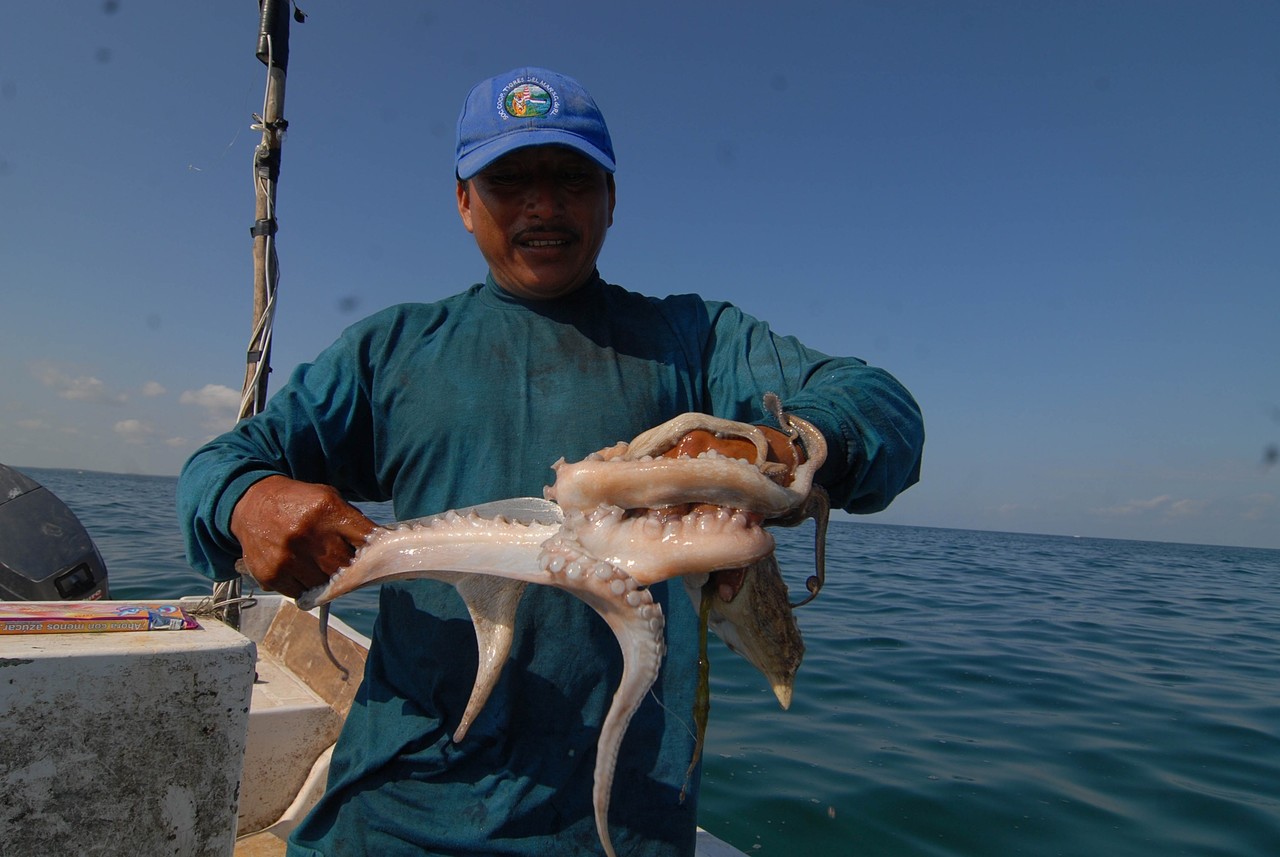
[(542, 230)]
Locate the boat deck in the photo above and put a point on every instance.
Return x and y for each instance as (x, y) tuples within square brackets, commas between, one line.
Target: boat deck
[(259, 845)]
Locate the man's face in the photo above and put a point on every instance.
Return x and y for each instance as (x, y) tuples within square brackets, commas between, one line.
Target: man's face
[(539, 216)]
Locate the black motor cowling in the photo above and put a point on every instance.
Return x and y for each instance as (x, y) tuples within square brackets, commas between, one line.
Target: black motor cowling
[(45, 552)]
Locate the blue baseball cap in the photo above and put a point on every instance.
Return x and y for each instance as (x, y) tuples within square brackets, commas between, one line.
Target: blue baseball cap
[(529, 107)]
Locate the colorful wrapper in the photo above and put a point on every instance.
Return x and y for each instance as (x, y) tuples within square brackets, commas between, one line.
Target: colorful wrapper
[(78, 617)]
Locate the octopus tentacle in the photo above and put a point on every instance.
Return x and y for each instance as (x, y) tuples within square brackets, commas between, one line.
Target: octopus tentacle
[(815, 448), (488, 560), (818, 507), (647, 483), (492, 603), (638, 624), (657, 544), (450, 541)]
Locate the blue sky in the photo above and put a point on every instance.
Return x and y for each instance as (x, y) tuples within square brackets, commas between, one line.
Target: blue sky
[(1057, 223)]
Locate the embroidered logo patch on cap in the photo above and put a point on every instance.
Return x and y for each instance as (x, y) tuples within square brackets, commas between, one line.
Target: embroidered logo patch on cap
[(528, 98)]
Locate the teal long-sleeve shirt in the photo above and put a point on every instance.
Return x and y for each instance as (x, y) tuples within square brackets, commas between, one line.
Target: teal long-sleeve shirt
[(471, 399)]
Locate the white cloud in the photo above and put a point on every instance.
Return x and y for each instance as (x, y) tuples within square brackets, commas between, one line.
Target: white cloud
[(221, 404), (212, 397), (1184, 508), (32, 424), (153, 388), (85, 388), (134, 431), (1154, 503), (1161, 506)]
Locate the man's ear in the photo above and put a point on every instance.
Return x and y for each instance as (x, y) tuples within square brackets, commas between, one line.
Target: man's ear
[(613, 195), (464, 204)]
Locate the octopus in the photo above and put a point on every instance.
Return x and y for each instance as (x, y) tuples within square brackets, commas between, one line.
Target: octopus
[(687, 498)]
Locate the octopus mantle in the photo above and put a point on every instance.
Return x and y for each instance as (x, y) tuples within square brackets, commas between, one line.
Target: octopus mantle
[(668, 504)]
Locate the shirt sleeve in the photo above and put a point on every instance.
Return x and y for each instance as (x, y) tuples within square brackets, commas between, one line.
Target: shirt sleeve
[(317, 428), (873, 426)]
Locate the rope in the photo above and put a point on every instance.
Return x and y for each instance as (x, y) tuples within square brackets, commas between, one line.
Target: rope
[(264, 325), (226, 600)]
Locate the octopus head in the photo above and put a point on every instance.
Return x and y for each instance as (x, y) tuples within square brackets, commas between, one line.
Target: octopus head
[(690, 496)]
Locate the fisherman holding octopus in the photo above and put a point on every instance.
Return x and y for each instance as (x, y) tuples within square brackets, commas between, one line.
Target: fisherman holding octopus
[(468, 400)]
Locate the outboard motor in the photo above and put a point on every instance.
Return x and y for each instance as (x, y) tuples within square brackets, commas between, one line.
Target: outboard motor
[(45, 552)]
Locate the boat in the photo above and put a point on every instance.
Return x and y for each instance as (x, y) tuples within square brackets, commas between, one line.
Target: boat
[(208, 741), (165, 740)]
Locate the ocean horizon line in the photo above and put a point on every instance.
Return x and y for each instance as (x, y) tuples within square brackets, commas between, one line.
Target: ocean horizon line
[(838, 517)]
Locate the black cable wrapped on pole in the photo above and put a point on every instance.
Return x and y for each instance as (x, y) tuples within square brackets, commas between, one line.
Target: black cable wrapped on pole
[(273, 33)]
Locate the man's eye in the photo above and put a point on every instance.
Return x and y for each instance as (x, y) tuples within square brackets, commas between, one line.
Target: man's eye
[(575, 177)]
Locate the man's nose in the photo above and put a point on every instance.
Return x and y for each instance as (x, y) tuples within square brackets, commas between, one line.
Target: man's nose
[(544, 197)]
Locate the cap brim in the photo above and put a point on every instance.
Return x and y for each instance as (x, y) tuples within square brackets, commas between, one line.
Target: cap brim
[(484, 155)]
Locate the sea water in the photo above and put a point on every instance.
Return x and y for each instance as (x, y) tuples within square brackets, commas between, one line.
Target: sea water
[(963, 693)]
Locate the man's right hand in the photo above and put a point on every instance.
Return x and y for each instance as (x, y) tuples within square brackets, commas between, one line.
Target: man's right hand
[(296, 535)]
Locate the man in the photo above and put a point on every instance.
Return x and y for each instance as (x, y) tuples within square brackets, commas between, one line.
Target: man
[(469, 400)]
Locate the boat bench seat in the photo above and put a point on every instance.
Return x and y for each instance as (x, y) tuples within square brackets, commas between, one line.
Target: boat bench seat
[(300, 699)]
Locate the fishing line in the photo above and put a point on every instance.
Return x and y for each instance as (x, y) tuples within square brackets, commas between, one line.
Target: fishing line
[(675, 714), (222, 156)]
